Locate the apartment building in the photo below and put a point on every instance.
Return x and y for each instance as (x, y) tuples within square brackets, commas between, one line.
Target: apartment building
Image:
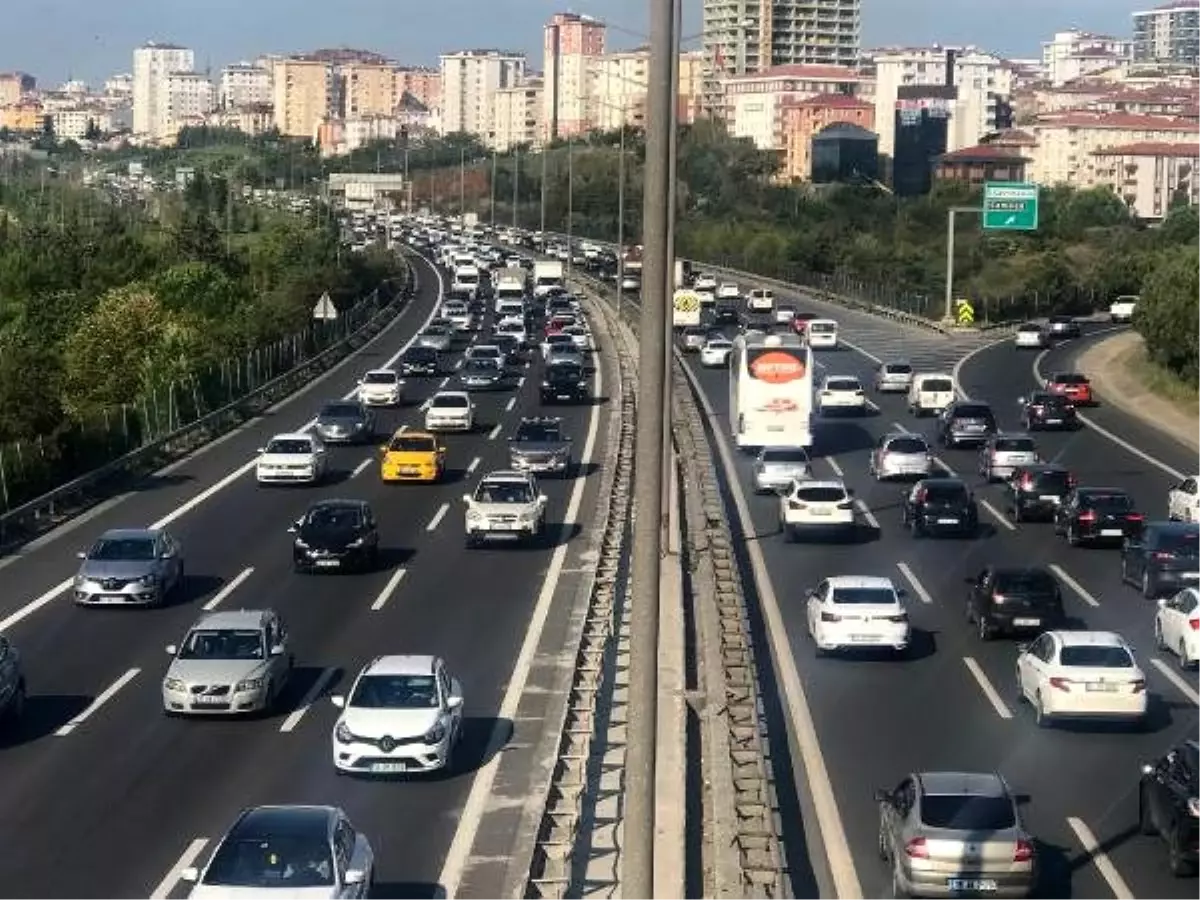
[(153, 63), (187, 98), (1076, 54), (252, 118), (245, 84), (369, 89), (803, 120), (119, 88), (518, 116), (1068, 140), (1149, 175), (423, 85), (76, 121), (753, 103), (26, 116), (470, 78), (14, 86), (1168, 34), (617, 89), (304, 96), (571, 44)]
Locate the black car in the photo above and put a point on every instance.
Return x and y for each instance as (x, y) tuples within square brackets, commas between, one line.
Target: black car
[(1013, 600), (1063, 327), (1163, 559), (481, 374), (964, 423), (1167, 805), (336, 535), (725, 312), (1094, 514), (936, 506), (420, 361), (1036, 491), (1043, 410), (564, 382)]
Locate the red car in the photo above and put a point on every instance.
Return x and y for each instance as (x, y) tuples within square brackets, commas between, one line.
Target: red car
[(800, 322), (1073, 386)]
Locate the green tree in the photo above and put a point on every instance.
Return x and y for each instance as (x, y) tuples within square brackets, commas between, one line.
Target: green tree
[(29, 383), (1167, 314)]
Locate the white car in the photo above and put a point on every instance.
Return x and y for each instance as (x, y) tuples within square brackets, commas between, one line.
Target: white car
[(1081, 675), (842, 393), (704, 282), (489, 352), (1122, 309), (785, 314), (821, 507), (856, 612), (381, 387), (715, 353), (514, 327), (1030, 336), (450, 411), (631, 283), (581, 336), (459, 316), (1183, 501), (505, 506), (760, 300), (1177, 626), (291, 459), (552, 341), (822, 334), (729, 291), (403, 714)]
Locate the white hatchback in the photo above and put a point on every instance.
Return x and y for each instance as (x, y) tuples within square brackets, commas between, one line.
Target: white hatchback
[(450, 411), (1030, 336), (1081, 675), (1177, 626), (381, 387), (715, 353), (816, 507), (842, 393), (857, 612)]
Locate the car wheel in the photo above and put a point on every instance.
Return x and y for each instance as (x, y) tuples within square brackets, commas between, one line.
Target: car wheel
[(1159, 643), (16, 705), (1185, 661), (984, 630), (1039, 712), (1020, 692), (1177, 860), (1148, 585)]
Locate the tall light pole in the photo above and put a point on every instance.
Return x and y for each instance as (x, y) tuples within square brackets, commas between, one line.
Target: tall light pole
[(542, 226), (672, 176), (462, 185), (493, 191), (516, 184), (621, 217), (570, 200)]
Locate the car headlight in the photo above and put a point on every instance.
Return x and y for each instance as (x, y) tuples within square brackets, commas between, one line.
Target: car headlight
[(147, 580), (546, 383), (300, 544), (249, 684), (343, 734), (173, 684), (357, 542), (474, 515), (435, 734)]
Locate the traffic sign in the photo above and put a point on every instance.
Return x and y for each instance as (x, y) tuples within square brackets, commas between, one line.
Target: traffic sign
[(965, 312), (687, 301), (325, 311), (1010, 206)]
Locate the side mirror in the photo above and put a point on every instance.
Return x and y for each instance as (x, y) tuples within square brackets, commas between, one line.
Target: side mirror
[(261, 450), (277, 650), (1021, 401), (454, 701), (466, 498), (543, 499), (1022, 648), (383, 449), (172, 649), (191, 874), (360, 381), (1162, 602), (882, 796), (354, 876), (293, 529), (82, 554), (901, 592), (338, 700)]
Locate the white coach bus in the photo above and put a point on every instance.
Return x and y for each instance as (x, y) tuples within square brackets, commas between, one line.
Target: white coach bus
[(770, 390)]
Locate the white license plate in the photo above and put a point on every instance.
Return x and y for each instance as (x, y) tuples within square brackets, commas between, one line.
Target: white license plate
[(1101, 687), (562, 396), (1027, 623), (1049, 498), (385, 767), (1191, 575), (210, 701), (947, 521), (971, 884), (862, 638), (1111, 532), (1053, 421), (327, 563), (113, 598), (822, 512), (774, 428)]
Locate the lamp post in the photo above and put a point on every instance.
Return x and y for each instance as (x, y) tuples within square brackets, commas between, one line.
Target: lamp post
[(492, 215), (462, 185), (570, 200), (516, 185)]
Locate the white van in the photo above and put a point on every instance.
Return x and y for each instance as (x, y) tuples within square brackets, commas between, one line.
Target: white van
[(822, 334), (930, 394), (760, 300)]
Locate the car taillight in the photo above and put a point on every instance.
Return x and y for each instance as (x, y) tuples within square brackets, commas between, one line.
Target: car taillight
[(1135, 517), (830, 617), (922, 495), (846, 504), (1138, 685), (998, 599), (1195, 624), (1072, 481), (1087, 516), (796, 504), (1023, 852), (1062, 684), (916, 849), (1027, 483), (898, 618)]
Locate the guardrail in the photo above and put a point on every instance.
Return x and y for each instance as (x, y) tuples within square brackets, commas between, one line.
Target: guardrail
[(33, 517)]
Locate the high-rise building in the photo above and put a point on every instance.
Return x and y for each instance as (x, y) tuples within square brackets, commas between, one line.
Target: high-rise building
[(920, 129), (152, 63), (369, 89), (518, 115), (1074, 54), (470, 78), (423, 85), (617, 89), (571, 45), (305, 96), (1168, 34), (245, 84), (747, 36), (186, 98)]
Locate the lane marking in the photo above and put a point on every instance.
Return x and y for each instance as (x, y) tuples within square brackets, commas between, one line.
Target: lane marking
[(228, 589), (1176, 679), (833, 464), (495, 432), (445, 381), (1074, 585), (1100, 859), (512, 401), (290, 723), (175, 875), (944, 466), (471, 816), (996, 514), (520, 382), (867, 514), (474, 465), (914, 582), (901, 428), (388, 590), (437, 517), (989, 691), (94, 706), (361, 467)]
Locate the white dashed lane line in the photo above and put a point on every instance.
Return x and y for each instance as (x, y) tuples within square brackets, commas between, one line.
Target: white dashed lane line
[(914, 582), (186, 860), (1080, 591), (989, 690), (494, 433), (388, 590), (437, 517), (94, 707), (833, 464), (445, 381), (508, 407), (520, 382), (361, 467), (314, 692), (1100, 859), (474, 465), (223, 594), (1176, 679), (997, 515), (867, 514)]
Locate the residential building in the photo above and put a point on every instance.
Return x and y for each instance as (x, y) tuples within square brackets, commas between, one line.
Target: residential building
[(1150, 176), (369, 90), (518, 116), (305, 96), (152, 64), (25, 116), (250, 118), (1075, 54), (423, 85), (803, 120), (570, 46), (981, 163), (187, 98), (1168, 34), (920, 127), (617, 90), (470, 78), (1066, 141), (75, 122), (692, 66), (337, 137), (14, 86), (753, 102), (845, 153), (120, 87), (245, 84), (748, 36)]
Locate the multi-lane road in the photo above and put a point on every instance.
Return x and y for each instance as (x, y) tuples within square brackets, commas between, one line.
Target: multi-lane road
[(953, 703), (106, 797)]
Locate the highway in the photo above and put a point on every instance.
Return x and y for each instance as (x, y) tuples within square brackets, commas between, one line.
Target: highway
[(952, 704), (106, 797)]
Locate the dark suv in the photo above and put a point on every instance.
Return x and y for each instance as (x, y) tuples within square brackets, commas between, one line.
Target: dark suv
[(1092, 514), (1163, 559), (964, 423), (938, 506), (1167, 805), (1043, 410), (1036, 491), (1012, 600)]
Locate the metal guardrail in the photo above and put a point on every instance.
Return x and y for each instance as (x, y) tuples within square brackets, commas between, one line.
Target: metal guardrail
[(36, 516)]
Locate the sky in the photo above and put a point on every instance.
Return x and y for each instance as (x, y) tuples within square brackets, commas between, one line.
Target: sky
[(91, 39)]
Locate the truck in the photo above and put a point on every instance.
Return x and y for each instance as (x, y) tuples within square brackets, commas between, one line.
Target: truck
[(683, 273), (470, 220), (510, 284), (685, 309), (547, 275), (632, 261)]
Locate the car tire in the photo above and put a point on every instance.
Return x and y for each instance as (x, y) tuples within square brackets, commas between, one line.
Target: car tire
[(1039, 712), (1181, 654), (1148, 585), (1159, 643), (983, 629), (1177, 860), (16, 704)]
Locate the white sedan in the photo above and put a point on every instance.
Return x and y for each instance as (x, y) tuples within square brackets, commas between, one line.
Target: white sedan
[(1177, 626), (381, 387), (715, 353), (842, 393), (704, 282), (1183, 501), (1031, 336), (849, 612), (816, 507), (450, 411), (1081, 675), (298, 458)]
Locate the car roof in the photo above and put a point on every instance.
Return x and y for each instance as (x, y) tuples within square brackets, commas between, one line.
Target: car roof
[(291, 436), (405, 431), (974, 784), (1089, 638), (383, 370), (829, 378), (336, 503), (280, 821), (1010, 435), (130, 534), (479, 347), (452, 394), (942, 481), (897, 435), (234, 619), (813, 483), (401, 664), (507, 475), (860, 581), (1009, 571)]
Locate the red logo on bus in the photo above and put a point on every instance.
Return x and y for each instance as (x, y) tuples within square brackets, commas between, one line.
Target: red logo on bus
[(780, 405), (775, 367)]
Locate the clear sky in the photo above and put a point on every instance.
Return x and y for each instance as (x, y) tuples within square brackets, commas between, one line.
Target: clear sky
[(90, 39)]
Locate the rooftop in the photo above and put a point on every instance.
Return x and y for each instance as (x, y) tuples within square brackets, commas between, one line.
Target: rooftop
[(232, 619), (1182, 150), (828, 101), (816, 73), (983, 153), (1082, 118)]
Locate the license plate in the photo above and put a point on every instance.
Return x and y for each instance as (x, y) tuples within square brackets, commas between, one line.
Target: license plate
[(774, 428), (410, 470), (862, 638), (971, 884), (209, 701), (1111, 532), (384, 767), (1049, 498), (1027, 623), (114, 598), (562, 396), (822, 512), (1101, 687), (327, 563), (1053, 421), (947, 521)]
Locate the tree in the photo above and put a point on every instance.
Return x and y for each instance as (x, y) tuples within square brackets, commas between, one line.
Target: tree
[(92, 132), (1167, 313), (29, 382)]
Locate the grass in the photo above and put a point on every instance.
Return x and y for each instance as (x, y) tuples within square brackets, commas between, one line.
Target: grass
[(1163, 383)]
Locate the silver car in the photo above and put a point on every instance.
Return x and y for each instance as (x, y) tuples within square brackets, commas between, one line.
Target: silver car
[(436, 337), (345, 422), (129, 567), (946, 834), (1003, 454), (893, 377), (901, 455), (229, 662), (776, 468)]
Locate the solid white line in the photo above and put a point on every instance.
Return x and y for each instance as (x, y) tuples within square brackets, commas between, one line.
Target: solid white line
[(846, 883), (833, 464), (437, 517), (1176, 679), (481, 786), (872, 405), (867, 514), (986, 686), (361, 467), (901, 428), (944, 466), (1100, 859), (996, 514), (495, 432), (520, 382), (228, 589), (474, 465), (512, 401), (290, 723), (388, 590), (445, 381), (1074, 585), (914, 582), (95, 705), (186, 859)]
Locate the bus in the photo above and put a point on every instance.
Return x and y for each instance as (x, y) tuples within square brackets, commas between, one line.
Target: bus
[(770, 391)]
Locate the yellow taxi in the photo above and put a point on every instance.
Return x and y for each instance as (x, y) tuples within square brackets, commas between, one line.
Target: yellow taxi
[(413, 456)]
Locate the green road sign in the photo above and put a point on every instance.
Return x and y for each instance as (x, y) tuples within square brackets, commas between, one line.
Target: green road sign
[(1010, 206)]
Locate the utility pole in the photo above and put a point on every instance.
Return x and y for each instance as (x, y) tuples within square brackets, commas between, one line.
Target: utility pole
[(570, 200), (493, 204), (948, 315), (668, 344), (621, 217), (646, 569), (542, 226), (516, 184), (462, 185)]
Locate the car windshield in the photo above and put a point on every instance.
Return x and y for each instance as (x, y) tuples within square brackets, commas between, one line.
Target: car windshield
[(898, 369), (504, 492), (480, 366), (538, 432), (420, 354), (719, 343), (1070, 378), (864, 595), (1053, 481), (785, 455), (967, 812), (937, 385), (380, 378), (822, 327), (907, 445), (285, 862), (1181, 543), (972, 411), (223, 644), (694, 332), (1109, 502), (466, 279), (943, 492), (1025, 582), (1031, 326), (341, 411), (436, 331), (335, 517), (560, 340), (450, 401), (128, 549), (289, 446), (1095, 656), (510, 328), (564, 371), (1047, 400), (821, 494), (1015, 445), (843, 384), (395, 692), (409, 444)]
